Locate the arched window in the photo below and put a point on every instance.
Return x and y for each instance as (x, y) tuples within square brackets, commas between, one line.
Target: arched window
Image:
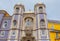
[(5, 24), (28, 21), (40, 7), (42, 20), (42, 23), (14, 22), (17, 9), (2, 33)]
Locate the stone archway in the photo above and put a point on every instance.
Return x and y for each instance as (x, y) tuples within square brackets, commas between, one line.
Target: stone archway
[(28, 38)]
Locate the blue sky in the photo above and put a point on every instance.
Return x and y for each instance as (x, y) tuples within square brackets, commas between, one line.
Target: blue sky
[(52, 6)]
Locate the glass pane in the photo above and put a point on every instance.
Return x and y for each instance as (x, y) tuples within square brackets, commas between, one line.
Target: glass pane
[(5, 24), (28, 22), (2, 33), (17, 9), (13, 32), (14, 22)]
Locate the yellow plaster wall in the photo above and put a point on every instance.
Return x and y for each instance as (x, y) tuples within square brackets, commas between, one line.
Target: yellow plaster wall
[(56, 25), (53, 34)]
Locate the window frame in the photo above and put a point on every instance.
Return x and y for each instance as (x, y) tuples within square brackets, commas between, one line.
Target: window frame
[(42, 23), (30, 21), (17, 9), (40, 7), (14, 22), (57, 35), (5, 24), (1, 33), (13, 31)]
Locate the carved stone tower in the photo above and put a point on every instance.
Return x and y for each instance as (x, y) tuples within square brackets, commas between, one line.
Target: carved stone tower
[(41, 18), (16, 23)]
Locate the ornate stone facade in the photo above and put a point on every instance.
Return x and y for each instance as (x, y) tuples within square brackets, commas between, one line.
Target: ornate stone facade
[(25, 26)]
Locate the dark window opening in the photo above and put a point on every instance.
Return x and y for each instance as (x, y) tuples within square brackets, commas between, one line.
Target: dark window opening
[(40, 7), (57, 35), (42, 20), (17, 8), (5, 21), (13, 33), (5, 25), (28, 40), (42, 23), (14, 22)]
